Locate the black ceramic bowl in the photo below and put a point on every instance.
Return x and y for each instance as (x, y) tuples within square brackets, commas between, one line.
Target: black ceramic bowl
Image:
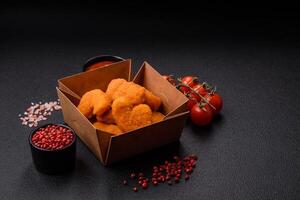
[(100, 59), (53, 161)]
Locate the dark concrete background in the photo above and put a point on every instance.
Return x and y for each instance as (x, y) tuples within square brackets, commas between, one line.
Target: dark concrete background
[(251, 151)]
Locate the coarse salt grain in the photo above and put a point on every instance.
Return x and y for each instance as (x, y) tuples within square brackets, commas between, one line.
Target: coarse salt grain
[(37, 112)]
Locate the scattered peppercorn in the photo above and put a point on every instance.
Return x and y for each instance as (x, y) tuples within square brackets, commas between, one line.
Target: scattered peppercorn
[(145, 185), (169, 172), (186, 177)]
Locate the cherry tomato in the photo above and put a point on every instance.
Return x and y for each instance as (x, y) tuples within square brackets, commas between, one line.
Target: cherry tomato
[(193, 94), (201, 116), (189, 80), (187, 83), (215, 100), (184, 89), (200, 89), (192, 100)]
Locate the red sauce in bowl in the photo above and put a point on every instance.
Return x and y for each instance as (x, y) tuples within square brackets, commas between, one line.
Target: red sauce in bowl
[(98, 65)]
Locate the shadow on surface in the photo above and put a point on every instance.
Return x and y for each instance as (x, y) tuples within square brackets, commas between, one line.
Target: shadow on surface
[(205, 132), (146, 160), (35, 179)]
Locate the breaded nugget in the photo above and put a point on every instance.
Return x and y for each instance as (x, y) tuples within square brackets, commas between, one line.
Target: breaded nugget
[(152, 100), (157, 117), (107, 117), (129, 117), (113, 86), (85, 104), (94, 102), (121, 109), (102, 103), (110, 128), (140, 116), (134, 92)]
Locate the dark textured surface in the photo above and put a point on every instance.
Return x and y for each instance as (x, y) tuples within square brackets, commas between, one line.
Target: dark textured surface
[(251, 151)]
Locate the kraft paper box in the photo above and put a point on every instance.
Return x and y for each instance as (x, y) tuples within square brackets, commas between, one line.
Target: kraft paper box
[(110, 148)]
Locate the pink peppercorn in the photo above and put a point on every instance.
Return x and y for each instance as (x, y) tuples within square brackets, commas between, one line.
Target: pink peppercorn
[(170, 172), (52, 137), (155, 183), (145, 185)]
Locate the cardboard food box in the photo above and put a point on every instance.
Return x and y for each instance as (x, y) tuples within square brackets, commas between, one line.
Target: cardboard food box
[(110, 148)]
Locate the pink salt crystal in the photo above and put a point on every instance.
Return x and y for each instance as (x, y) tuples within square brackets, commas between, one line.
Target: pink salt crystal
[(37, 112), (57, 107)]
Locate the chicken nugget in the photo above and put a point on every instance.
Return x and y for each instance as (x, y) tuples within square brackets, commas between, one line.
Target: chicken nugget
[(85, 105), (101, 102), (129, 117), (107, 117), (152, 100), (121, 109), (94, 102), (157, 117), (140, 116), (110, 128), (113, 86), (134, 92)]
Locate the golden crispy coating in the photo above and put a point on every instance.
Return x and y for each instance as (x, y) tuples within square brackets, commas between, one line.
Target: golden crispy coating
[(140, 116), (107, 117), (94, 102), (129, 117), (157, 117), (131, 108), (134, 92), (121, 109), (101, 103), (85, 104), (110, 128), (113, 86), (152, 100)]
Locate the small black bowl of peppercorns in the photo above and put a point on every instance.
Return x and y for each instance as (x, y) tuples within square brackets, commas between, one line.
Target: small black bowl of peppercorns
[(53, 148)]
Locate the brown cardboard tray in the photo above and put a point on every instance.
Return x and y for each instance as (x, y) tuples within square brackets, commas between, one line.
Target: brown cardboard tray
[(110, 148)]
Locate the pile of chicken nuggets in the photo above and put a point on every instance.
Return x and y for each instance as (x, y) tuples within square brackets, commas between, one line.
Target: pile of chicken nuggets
[(124, 106)]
